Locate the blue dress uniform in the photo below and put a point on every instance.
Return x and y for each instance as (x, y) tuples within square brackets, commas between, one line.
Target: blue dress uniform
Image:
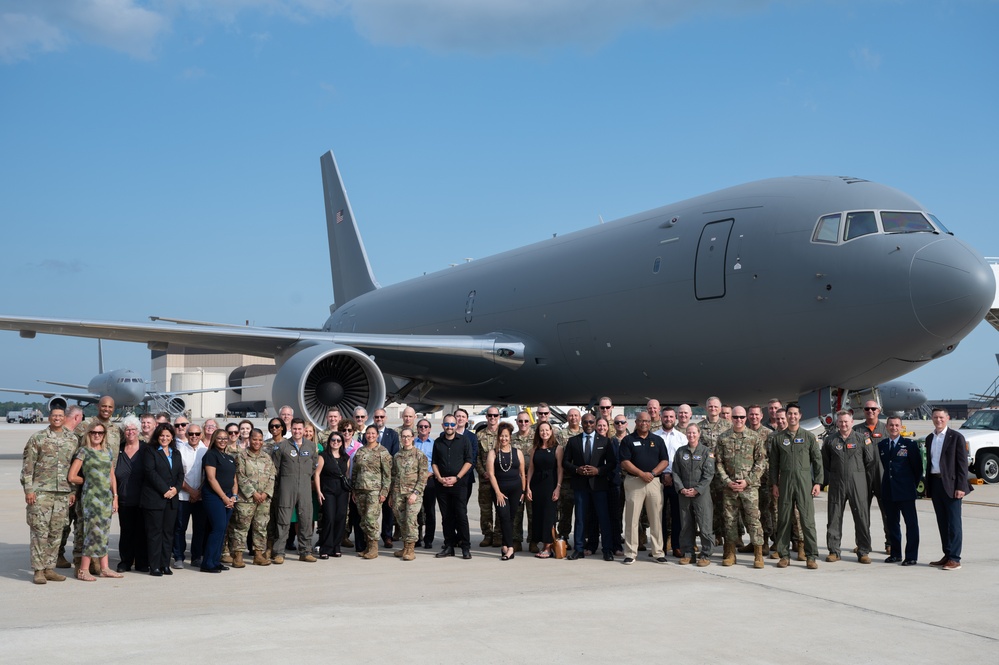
[(902, 465)]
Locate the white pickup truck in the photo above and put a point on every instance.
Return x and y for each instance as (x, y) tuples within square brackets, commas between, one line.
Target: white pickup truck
[(981, 430)]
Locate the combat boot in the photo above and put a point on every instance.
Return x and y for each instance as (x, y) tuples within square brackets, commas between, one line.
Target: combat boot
[(684, 560), (237, 561), (95, 567), (801, 550), (227, 558), (400, 553), (372, 551), (757, 556), (61, 562), (278, 559), (728, 559), (53, 576), (260, 559), (487, 541), (76, 563), (784, 562), (812, 564), (346, 542), (39, 577), (518, 546), (746, 549), (408, 553)]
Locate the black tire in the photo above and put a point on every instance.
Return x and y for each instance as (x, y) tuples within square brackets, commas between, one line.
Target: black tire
[(987, 468)]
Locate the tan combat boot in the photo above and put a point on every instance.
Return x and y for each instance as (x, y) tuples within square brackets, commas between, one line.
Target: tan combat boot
[(53, 576), (39, 577), (278, 559), (226, 558), (95, 567), (372, 551), (729, 557), (757, 556), (408, 553), (237, 561), (61, 562), (259, 559), (801, 550), (487, 541), (746, 549), (401, 553)]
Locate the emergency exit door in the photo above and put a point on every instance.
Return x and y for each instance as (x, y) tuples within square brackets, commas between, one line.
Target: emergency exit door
[(709, 266)]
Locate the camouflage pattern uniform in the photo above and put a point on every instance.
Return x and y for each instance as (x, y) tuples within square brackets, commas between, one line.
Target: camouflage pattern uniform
[(740, 456), (523, 443), (370, 476), (566, 497), (409, 477), (44, 471), (487, 499), (710, 433), (255, 472), (767, 513)]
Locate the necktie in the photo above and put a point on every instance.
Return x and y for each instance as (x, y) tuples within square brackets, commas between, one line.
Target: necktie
[(589, 443)]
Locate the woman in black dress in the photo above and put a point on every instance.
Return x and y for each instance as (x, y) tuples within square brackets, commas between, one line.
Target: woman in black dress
[(544, 477), (332, 490), (508, 480)]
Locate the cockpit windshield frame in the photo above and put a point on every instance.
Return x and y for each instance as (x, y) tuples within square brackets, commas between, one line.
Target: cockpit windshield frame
[(849, 225)]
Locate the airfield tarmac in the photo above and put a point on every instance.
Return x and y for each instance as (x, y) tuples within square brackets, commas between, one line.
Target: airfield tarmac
[(487, 611)]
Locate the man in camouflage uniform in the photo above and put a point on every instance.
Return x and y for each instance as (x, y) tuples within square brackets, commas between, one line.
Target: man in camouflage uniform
[(740, 463), (371, 477), (712, 427), (255, 474), (654, 409), (74, 416), (487, 498), (848, 458), (523, 440), (47, 493), (333, 418), (754, 423), (566, 497), (795, 477), (410, 470)]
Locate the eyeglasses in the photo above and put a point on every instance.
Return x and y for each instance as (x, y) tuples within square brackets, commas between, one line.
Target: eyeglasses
[(180, 424), (872, 408), (407, 436), (450, 425), (379, 417), (193, 433), (544, 413), (523, 421), (274, 426), (492, 415), (589, 422), (606, 407), (423, 427), (232, 431), (738, 417), (97, 433)]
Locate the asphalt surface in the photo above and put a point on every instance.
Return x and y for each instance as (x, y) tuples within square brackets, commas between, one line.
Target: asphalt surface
[(487, 611)]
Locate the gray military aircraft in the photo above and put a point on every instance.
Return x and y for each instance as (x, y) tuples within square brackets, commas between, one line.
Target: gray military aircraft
[(901, 396), (806, 287), (125, 387)]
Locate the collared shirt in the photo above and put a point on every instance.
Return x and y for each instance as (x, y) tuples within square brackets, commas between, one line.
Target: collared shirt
[(936, 449), (674, 441), (191, 457), (451, 455), (644, 452), (426, 446)]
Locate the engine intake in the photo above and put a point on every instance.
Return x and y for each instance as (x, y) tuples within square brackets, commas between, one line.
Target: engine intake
[(316, 376)]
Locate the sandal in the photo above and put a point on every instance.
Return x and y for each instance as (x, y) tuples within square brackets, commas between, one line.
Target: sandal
[(337, 555), (324, 556), (543, 554), (84, 576), (107, 572)]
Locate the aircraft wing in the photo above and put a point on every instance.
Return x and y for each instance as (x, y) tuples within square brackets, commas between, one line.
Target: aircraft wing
[(495, 348), (174, 393), (64, 385), (48, 394)]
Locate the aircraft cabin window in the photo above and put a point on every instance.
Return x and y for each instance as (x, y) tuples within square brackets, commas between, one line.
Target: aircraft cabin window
[(860, 224), (905, 222), (827, 230)]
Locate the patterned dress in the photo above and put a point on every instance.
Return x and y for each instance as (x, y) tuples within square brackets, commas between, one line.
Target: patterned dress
[(96, 500)]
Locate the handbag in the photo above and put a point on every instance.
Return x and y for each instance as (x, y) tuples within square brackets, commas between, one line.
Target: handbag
[(559, 546)]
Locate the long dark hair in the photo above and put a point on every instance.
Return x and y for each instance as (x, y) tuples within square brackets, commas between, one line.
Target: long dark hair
[(538, 442), (154, 438)]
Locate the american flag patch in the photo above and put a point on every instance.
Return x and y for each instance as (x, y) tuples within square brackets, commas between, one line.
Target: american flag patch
[(339, 216)]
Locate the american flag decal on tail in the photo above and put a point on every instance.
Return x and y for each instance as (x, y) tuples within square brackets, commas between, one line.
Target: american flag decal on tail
[(339, 216)]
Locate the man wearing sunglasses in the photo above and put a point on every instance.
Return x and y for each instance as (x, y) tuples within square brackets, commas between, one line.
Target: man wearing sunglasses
[(740, 461), (523, 440), (487, 498), (875, 431), (428, 514), (452, 462)]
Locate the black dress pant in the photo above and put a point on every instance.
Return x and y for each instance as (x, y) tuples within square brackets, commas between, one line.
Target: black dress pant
[(453, 502), (429, 512), (132, 541), (160, 525), (506, 513), (671, 516), (334, 522)]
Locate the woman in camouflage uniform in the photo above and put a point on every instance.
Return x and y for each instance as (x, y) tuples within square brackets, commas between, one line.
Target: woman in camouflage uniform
[(92, 468), (410, 470), (371, 475)]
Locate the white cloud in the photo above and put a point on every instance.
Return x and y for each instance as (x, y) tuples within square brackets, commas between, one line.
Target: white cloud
[(484, 26), (865, 58)]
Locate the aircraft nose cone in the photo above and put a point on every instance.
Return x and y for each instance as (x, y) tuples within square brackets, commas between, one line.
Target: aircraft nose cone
[(951, 287)]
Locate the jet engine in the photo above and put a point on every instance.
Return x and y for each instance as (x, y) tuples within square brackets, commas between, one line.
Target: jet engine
[(58, 402), (315, 376)]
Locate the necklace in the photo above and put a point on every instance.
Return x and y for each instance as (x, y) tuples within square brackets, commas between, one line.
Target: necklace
[(509, 464)]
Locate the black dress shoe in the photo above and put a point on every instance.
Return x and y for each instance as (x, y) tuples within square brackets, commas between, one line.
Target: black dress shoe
[(575, 554), (122, 568), (608, 556), (167, 571), (219, 568), (447, 551), (893, 559), (909, 562), (210, 570), (156, 573), (465, 554), (428, 545), (142, 569)]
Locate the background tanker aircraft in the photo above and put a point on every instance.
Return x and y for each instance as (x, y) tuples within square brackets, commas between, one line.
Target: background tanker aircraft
[(125, 387), (809, 287)]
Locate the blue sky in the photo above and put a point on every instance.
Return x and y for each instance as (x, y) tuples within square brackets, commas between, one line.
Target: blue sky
[(162, 157)]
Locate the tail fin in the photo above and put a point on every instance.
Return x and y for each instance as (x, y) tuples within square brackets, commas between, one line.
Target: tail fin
[(348, 261)]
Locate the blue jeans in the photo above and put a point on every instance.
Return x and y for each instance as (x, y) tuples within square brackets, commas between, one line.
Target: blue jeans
[(589, 504), (218, 520), (194, 513)]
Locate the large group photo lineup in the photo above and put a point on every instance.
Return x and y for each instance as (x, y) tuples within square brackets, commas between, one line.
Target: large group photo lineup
[(211, 497)]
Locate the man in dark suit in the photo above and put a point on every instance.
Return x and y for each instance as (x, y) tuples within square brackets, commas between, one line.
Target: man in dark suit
[(588, 463), (902, 469), (389, 439), (946, 485)]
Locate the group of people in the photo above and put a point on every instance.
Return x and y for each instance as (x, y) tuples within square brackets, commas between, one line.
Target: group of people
[(719, 478)]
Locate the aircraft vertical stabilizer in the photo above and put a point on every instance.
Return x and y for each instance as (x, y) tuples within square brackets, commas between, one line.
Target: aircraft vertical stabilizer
[(352, 275)]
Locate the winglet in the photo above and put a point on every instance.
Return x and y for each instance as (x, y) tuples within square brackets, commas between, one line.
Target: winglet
[(349, 264)]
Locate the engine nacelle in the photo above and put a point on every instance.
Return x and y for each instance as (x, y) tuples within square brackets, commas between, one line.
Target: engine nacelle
[(58, 402), (313, 376)]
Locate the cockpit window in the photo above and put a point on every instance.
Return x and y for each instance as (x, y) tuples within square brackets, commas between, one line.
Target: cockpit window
[(905, 222), (860, 224), (827, 230), (940, 226)]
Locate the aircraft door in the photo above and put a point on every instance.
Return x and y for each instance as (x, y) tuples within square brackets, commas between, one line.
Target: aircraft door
[(709, 265)]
